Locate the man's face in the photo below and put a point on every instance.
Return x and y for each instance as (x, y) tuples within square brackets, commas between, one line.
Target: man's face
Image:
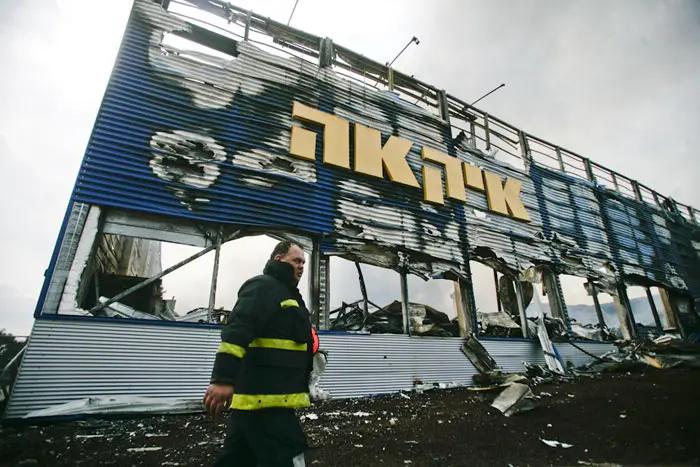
[(295, 257)]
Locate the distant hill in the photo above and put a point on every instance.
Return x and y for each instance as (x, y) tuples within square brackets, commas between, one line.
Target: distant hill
[(584, 314)]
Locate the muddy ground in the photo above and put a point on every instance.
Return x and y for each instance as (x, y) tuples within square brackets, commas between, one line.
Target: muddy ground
[(647, 418)]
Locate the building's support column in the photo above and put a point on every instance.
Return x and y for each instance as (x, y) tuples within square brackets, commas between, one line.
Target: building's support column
[(654, 311), (214, 276), (624, 313), (465, 316), (557, 306), (671, 314), (315, 282), (596, 302), (325, 295), (404, 303), (521, 307)]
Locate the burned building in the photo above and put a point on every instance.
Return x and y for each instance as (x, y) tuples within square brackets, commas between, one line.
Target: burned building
[(218, 124)]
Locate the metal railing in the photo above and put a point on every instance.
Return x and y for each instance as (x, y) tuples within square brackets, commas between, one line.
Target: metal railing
[(471, 127)]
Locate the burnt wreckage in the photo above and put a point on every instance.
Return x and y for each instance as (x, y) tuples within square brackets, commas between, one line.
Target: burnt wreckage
[(219, 124)]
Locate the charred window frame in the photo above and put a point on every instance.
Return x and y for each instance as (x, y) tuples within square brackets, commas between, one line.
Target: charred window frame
[(499, 307), (355, 297), (587, 321), (370, 297), (652, 309), (436, 306), (117, 242)]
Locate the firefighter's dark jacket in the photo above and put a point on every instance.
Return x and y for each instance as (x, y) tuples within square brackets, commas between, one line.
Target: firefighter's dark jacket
[(266, 351)]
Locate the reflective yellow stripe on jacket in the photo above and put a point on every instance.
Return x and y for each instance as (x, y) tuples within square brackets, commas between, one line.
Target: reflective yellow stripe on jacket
[(231, 349), (266, 401), (288, 303), (283, 344)]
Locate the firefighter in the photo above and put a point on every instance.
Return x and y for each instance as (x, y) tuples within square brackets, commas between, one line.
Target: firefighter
[(263, 365)]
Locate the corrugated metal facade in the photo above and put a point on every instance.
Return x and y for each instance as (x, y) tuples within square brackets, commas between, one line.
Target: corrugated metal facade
[(69, 359), (569, 353), (192, 136)]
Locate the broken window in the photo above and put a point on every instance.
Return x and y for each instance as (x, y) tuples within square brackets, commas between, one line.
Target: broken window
[(375, 309), (539, 300), (540, 297), (432, 310), (579, 301), (609, 314), (120, 276), (641, 306), (497, 311), (120, 263), (580, 304), (660, 308), (244, 258)]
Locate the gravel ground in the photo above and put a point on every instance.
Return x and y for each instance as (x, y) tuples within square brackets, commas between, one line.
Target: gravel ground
[(647, 418)]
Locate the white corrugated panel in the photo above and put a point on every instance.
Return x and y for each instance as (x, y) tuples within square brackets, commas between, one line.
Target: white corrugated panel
[(361, 365), (511, 353), (570, 353), (69, 359)]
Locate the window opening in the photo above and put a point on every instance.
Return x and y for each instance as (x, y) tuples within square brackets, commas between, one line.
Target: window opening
[(120, 262), (432, 310), (244, 258), (579, 296), (347, 304), (641, 306), (609, 313), (660, 307), (497, 311)]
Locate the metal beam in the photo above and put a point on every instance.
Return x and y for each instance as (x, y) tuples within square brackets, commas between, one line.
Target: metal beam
[(654, 311), (214, 277), (596, 302), (315, 281), (404, 303), (363, 289), (521, 307)]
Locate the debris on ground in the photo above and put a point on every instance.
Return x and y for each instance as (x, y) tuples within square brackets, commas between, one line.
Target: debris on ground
[(423, 319), (478, 355), (449, 425), (556, 444), (114, 405), (636, 355), (515, 398)]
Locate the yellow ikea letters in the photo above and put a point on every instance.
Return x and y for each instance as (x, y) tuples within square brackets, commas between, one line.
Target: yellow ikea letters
[(373, 159)]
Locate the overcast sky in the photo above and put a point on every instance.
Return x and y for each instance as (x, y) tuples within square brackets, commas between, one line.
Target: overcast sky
[(616, 81)]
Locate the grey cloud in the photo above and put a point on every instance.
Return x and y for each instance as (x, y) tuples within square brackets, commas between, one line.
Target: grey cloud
[(614, 81)]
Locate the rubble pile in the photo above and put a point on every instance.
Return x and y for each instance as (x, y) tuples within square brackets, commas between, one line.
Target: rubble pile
[(424, 320)]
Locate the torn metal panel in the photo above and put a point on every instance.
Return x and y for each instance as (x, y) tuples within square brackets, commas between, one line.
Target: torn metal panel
[(74, 285), (63, 257), (160, 228), (120, 405), (515, 398)]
